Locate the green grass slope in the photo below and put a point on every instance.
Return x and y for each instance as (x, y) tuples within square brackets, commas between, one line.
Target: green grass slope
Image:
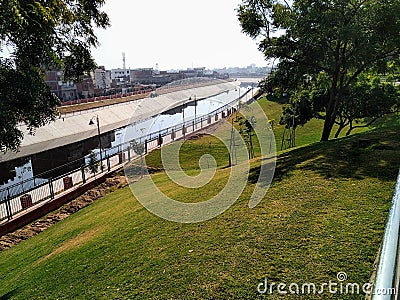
[(311, 132), (324, 213)]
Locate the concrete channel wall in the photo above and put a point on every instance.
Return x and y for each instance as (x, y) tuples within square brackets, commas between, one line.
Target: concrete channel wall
[(75, 127)]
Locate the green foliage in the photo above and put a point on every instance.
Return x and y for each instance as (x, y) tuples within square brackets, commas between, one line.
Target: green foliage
[(368, 99), (298, 112), (341, 38), (35, 36), (363, 102), (138, 147), (94, 163), (246, 130)]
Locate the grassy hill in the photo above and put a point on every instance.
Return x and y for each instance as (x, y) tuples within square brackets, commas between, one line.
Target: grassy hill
[(324, 213), (312, 131)]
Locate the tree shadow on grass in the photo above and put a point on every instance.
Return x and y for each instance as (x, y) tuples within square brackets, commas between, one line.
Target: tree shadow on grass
[(375, 154), (280, 100), (388, 121), (9, 294)]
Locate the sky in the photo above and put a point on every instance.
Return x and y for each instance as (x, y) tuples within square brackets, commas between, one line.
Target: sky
[(175, 34)]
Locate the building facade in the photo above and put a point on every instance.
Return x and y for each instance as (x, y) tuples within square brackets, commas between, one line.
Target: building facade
[(68, 90)]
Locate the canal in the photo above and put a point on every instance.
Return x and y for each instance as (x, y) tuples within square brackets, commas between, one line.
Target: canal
[(52, 163)]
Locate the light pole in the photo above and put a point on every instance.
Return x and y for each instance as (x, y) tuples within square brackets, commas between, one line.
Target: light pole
[(183, 119), (195, 110), (160, 128), (98, 135), (238, 106)]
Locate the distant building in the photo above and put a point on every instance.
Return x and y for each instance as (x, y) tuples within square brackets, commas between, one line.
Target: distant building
[(193, 72), (143, 75), (66, 91), (102, 78), (120, 75), (85, 88), (249, 71), (150, 76), (106, 82)]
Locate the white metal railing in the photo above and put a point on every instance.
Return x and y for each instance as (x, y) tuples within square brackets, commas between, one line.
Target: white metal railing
[(387, 276)]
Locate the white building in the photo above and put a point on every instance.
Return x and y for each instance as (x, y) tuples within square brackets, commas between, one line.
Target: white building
[(120, 74)]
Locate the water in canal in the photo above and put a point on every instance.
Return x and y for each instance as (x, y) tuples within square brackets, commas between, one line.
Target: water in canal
[(55, 162)]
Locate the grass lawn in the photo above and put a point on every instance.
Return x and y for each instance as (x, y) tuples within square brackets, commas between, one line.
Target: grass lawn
[(312, 131), (324, 213)]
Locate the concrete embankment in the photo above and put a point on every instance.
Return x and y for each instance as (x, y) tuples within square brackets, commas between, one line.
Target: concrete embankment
[(75, 127)]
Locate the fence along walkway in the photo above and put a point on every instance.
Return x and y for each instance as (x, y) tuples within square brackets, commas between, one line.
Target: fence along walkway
[(33, 191)]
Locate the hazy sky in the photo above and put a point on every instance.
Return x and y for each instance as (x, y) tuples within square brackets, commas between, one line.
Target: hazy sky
[(176, 34)]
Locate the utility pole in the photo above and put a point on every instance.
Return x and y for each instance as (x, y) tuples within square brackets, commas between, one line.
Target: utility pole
[(232, 147), (183, 126), (98, 135)]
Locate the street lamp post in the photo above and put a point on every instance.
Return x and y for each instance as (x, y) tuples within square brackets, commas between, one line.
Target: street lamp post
[(195, 110), (238, 105), (183, 119), (98, 135)]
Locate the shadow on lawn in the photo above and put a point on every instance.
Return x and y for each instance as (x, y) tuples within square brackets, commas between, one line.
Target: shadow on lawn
[(373, 154), (9, 295)]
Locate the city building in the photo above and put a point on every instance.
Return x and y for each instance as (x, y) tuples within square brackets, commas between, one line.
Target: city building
[(102, 78), (151, 76), (193, 72), (105, 82), (143, 75), (120, 75), (86, 88), (66, 91)]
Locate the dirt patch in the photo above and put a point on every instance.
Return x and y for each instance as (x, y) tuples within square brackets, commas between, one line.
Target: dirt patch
[(197, 136), (76, 242), (13, 238), (209, 130), (101, 103)]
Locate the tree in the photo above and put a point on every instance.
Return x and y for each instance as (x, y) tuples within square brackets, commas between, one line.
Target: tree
[(368, 99), (246, 129), (139, 148), (35, 36), (297, 113), (93, 164), (341, 38)]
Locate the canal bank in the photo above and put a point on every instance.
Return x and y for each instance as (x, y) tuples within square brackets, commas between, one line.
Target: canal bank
[(72, 128), (18, 202)]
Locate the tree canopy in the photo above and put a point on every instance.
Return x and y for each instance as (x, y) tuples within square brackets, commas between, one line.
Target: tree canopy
[(36, 35), (340, 39)]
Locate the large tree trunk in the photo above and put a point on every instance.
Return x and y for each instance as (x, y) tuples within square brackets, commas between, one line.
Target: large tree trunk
[(330, 111), (328, 125), (339, 131)]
